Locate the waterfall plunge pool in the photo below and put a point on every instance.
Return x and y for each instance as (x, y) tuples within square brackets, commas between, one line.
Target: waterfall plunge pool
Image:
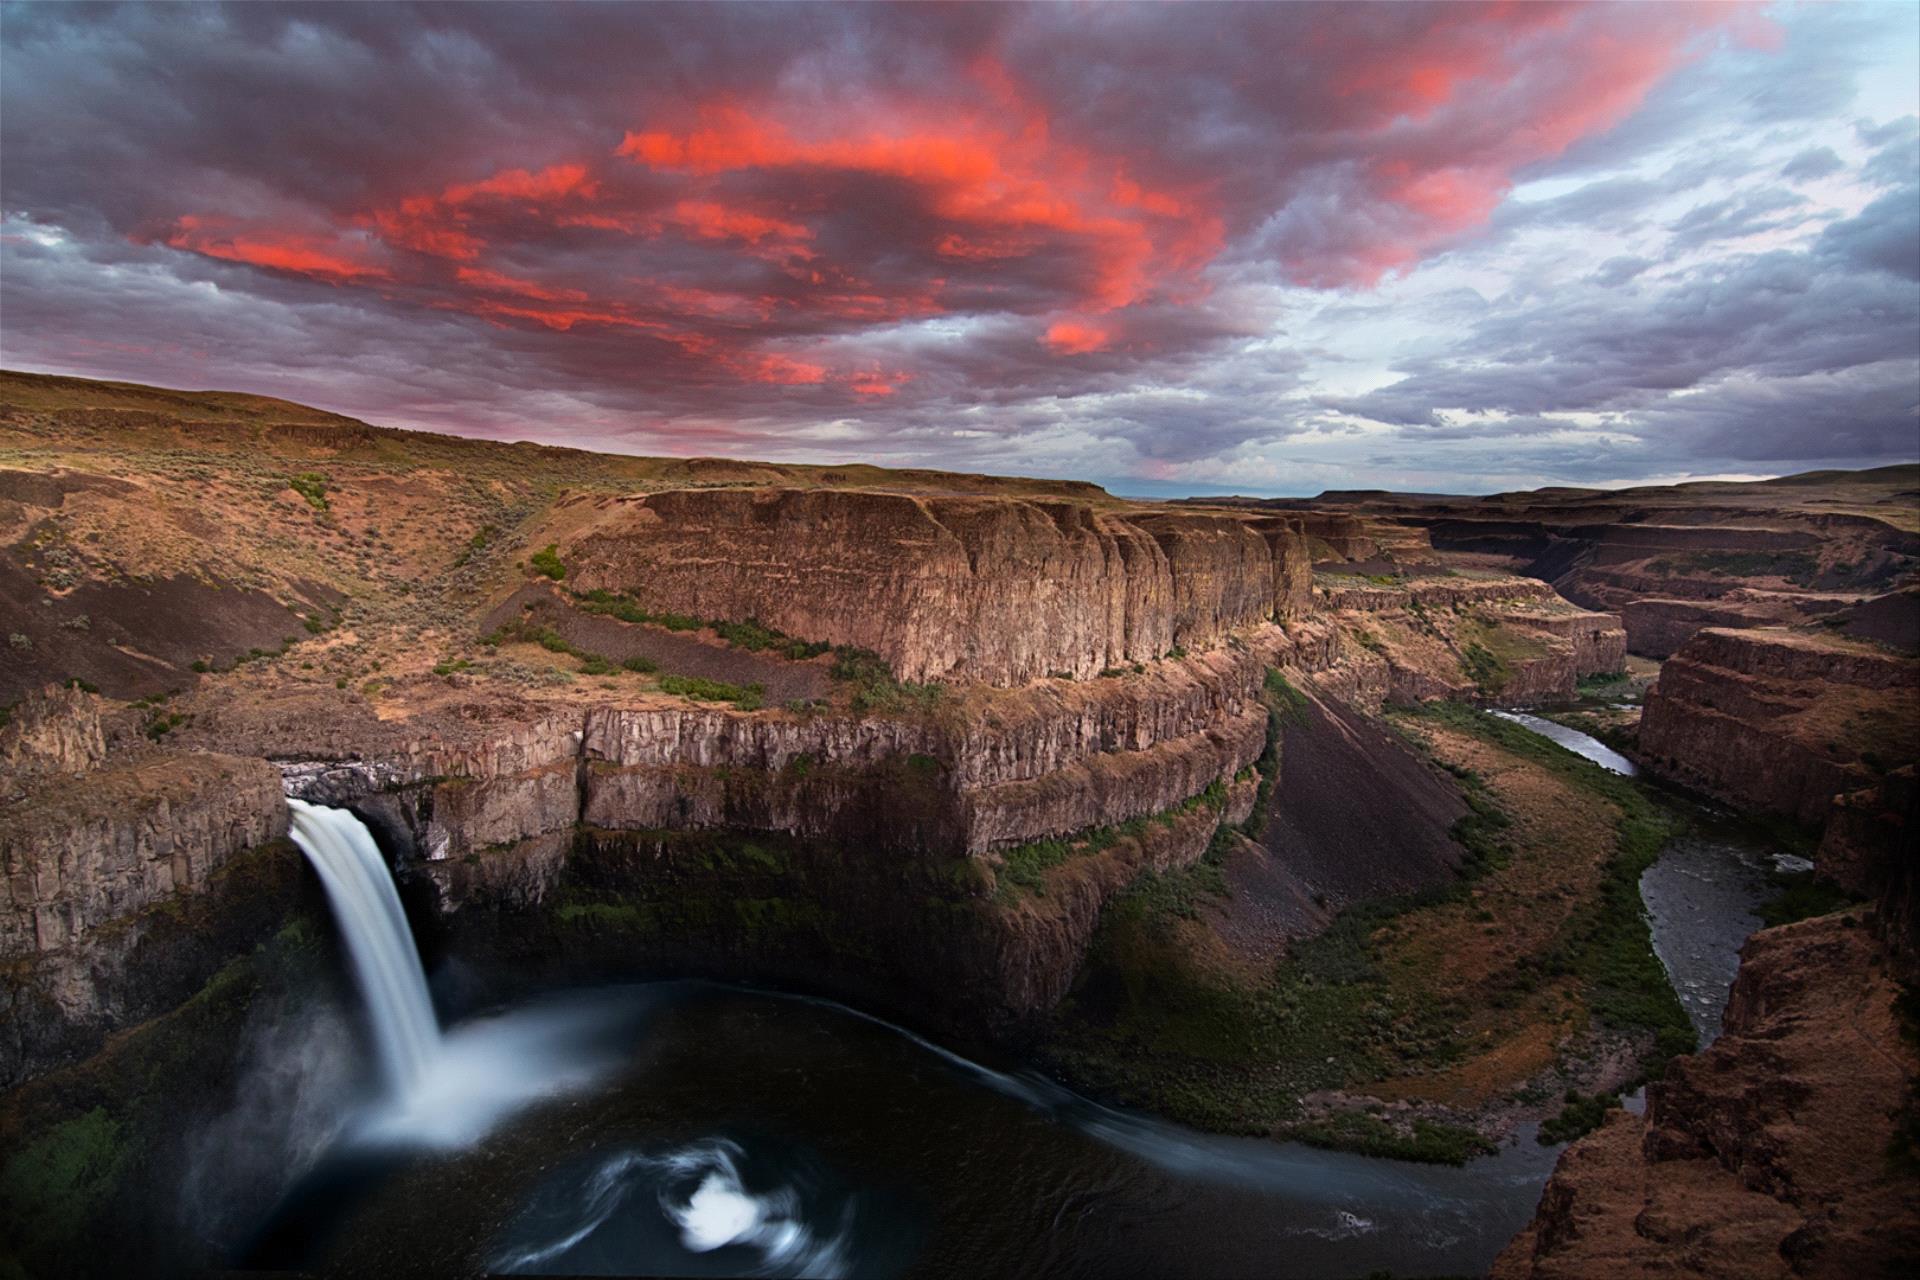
[(684, 1128)]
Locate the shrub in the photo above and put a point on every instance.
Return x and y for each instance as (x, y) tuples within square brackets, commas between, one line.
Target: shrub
[(1580, 1116), (547, 561), (746, 697), (312, 486), (645, 666)]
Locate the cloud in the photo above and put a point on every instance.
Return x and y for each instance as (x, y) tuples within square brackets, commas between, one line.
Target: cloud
[(1812, 164), (1016, 236)]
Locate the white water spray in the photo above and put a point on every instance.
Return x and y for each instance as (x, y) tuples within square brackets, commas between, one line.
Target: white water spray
[(385, 962)]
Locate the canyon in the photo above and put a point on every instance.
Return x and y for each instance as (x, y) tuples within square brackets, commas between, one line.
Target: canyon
[(1024, 766)]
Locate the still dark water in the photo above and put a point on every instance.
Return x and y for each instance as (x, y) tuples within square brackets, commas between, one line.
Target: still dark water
[(689, 1129), (745, 1133)]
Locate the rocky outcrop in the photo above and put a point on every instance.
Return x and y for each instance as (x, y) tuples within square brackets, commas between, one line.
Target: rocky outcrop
[(1657, 627), (1779, 721), (996, 768), (54, 731), (99, 866), (1868, 850), (975, 590), (1766, 1155), (1347, 537), (1500, 639)]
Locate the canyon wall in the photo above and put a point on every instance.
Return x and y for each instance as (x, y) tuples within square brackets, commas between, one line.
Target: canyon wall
[(126, 878), (1502, 640), (1780, 722), (985, 591), (1772, 1153)]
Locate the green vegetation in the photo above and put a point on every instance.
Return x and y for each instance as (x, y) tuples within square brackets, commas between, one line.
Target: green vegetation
[(161, 723), (746, 697), (642, 665), (1154, 1021), (484, 537), (1429, 1141), (1024, 867), (1612, 685), (547, 561), (1608, 947), (62, 1179), (1483, 668), (751, 635), (312, 486), (86, 1145), (1581, 1115), (1284, 699), (1801, 895), (450, 665), (874, 687)]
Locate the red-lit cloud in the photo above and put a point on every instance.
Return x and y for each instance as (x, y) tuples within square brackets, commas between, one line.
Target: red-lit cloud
[(1075, 338), (857, 205)]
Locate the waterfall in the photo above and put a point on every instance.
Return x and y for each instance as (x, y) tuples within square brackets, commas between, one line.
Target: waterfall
[(385, 963)]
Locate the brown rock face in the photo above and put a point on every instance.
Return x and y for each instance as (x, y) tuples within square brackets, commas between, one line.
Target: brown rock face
[(1868, 849), (95, 864), (1766, 1154), (1347, 536), (51, 732), (1428, 632), (1779, 721), (988, 591), (1658, 627)]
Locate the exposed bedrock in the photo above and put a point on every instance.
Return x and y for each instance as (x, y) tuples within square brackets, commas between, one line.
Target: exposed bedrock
[(1657, 627), (984, 590), (129, 878), (1503, 640), (1778, 721), (658, 835), (997, 767), (1769, 1154)]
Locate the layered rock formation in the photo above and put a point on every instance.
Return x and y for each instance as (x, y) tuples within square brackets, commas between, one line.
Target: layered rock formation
[(111, 862), (1668, 559), (1770, 1154), (975, 590), (1502, 639), (1779, 721)]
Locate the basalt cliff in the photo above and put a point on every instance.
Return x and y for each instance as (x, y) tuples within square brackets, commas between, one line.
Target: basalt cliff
[(1018, 763)]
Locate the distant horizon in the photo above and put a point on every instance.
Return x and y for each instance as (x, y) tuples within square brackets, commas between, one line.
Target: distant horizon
[(1139, 490)]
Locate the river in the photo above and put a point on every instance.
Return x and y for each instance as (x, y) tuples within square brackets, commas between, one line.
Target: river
[(1702, 895)]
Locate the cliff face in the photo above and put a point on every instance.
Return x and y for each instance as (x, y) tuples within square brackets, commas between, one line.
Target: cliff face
[(1499, 639), (990, 591), (1778, 721), (105, 857), (1766, 1155), (632, 833)]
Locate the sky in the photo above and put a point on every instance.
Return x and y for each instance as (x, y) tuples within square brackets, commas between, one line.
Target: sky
[(1253, 248)]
